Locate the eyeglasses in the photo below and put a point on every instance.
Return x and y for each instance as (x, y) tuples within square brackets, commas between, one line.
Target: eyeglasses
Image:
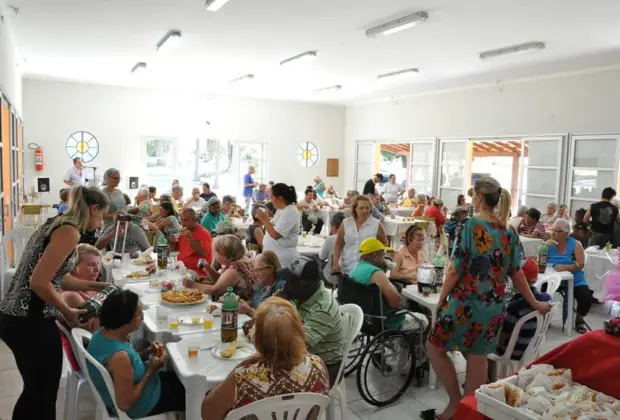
[(558, 231), (140, 316), (267, 267), (118, 178)]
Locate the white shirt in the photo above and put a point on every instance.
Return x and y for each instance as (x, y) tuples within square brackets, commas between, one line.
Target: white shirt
[(75, 177), (392, 191), (196, 204), (308, 205), (286, 222), (352, 240)]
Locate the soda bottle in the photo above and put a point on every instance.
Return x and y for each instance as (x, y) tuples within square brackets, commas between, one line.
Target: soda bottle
[(230, 313), (93, 305), (162, 252), (542, 257)]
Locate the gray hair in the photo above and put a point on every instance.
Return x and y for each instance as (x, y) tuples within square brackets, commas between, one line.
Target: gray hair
[(107, 174), (522, 210), (191, 213), (562, 224), (144, 191), (421, 198), (177, 188), (229, 199), (230, 247), (554, 205)]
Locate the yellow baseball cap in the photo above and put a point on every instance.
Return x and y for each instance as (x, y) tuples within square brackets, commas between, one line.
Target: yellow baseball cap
[(370, 245)]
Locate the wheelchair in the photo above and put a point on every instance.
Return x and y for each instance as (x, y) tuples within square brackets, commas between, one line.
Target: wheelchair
[(379, 352)]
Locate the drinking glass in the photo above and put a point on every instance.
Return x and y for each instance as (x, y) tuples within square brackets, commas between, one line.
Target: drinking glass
[(173, 322), (207, 322), (192, 351)]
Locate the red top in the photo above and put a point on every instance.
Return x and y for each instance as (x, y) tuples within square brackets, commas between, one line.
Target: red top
[(440, 219), (187, 254)]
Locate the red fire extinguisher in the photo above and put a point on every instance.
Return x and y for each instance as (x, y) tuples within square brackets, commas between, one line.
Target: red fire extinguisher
[(38, 156)]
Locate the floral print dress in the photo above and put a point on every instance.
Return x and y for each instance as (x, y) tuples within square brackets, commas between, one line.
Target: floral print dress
[(484, 255)]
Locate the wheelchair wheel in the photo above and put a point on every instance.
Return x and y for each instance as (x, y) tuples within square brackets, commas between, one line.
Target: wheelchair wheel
[(357, 348), (386, 368)]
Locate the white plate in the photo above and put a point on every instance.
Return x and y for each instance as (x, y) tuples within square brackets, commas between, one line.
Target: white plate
[(244, 351)]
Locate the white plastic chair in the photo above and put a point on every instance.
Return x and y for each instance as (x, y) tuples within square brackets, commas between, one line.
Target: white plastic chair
[(352, 321), (553, 283), (505, 365), (282, 407), (84, 359), (75, 380), (19, 237)]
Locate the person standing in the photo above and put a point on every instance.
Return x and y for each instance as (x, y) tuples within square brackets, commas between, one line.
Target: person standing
[(603, 218), (29, 309), (76, 176), (392, 191), (111, 180), (248, 188), (370, 187)]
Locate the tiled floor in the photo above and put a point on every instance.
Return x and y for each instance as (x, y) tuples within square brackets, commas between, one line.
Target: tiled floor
[(408, 406)]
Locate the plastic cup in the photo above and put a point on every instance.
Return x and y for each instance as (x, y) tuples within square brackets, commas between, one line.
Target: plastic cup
[(426, 291), (207, 322), (173, 322), (196, 319), (192, 351)]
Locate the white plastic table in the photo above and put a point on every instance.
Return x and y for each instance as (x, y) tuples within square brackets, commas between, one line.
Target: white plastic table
[(201, 374), (401, 211), (397, 226), (310, 245), (530, 246), (570, 294)]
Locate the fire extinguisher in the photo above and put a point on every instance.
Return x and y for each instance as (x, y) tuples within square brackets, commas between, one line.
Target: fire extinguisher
[(38, 156)]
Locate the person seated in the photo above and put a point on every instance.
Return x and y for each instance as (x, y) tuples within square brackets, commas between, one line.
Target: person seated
[(327, 250), (140, 390), (168, 221), (549, 217), (269, 187), (255, 234), (516, 220), (196, 202), (63, 206), (563, 213), (153, 199), (282, 359), (371, 269), (309, 208), (176, 197), (438, 212), (458, 217), (517, 308), (409, 257), (349, 198), (318, 199), (410, 200), (331, 193), (267, 282), (230, 207), (239, 271), (531, 227), (319, 311), (207, 194), (420, 206), (213, 215), (136, 240), (579, 215), (194, 242), (260, 195), (581, 233), (566, 254), (142, 208), (225, 227), (271, 210), (127, 200)]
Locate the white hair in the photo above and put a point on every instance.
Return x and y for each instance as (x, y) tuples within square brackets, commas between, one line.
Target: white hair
[(554, 205), (522, 210), (562, 224)]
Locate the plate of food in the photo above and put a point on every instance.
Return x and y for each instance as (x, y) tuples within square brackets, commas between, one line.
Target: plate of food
[(237, 350), (138, 275), (183, 297), (144, 260), (214, 308)]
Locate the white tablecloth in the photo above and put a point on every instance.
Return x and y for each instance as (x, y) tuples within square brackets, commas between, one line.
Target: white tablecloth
[(530, 246), (597, 265), (310, 245), (401, 211), (397, 226)]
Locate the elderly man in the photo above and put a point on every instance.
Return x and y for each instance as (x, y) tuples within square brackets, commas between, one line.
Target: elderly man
[(392, 191), (260, 196), (76, 175), (521, 212), (194, 241), (410, 200), (213, 214), (196, 202), (248, 187), (177, 197)]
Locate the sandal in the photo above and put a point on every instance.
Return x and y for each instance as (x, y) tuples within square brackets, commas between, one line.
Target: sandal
[(581, 328)]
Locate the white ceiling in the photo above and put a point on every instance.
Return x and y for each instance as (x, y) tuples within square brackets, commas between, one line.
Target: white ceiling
[(100, 40)]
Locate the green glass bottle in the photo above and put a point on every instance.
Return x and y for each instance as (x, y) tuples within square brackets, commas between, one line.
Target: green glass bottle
[(93, 304), (230, 316), (542, 257), (162, 252)]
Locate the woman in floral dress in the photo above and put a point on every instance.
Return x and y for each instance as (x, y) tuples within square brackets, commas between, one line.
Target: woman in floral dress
[(473, 299)]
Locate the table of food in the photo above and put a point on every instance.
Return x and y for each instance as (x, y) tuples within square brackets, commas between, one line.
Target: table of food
[(310, 244)]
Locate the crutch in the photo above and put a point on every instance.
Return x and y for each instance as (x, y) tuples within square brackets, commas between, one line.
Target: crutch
[(123, 218)]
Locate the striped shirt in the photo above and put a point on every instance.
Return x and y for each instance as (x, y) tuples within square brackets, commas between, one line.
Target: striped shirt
[(323, 326), (534, 228)]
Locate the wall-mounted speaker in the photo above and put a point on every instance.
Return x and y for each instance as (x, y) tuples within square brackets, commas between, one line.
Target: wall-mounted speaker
[(43, 185), (133, 183)]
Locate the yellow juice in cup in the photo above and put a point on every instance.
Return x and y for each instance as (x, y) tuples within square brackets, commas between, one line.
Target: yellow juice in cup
[(207, 323), (192, 352), (196, 319), (174, 324)]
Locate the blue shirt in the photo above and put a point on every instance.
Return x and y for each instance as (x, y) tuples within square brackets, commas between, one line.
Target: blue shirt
[(260, 196), (102, 348), (63, 207), (554, 258), (262, 292), (247, 191)]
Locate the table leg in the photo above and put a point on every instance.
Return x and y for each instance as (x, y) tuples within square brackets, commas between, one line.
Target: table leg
[(570, 319), (432, 376)]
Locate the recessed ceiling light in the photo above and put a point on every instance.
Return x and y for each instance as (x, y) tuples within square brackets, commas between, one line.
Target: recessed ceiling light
[(399, 73), (141, 65), (397, 25), (169, 40), (328, 89), (214, 5), (242, 78), (514, 49), (307, 56)]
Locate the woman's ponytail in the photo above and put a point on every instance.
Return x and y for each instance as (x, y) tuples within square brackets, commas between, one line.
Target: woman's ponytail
[(504, 207)]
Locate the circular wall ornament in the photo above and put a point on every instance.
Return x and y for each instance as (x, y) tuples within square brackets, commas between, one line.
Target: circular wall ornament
[(307, 154), (82, 144)]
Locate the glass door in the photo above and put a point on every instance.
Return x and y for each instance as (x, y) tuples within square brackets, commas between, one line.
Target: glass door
[(364, 155), (593, 166), (422, 166), (454, 158), (540, 177)]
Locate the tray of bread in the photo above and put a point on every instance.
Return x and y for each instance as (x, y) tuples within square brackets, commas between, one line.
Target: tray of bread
[(183, 297), (544, 393)]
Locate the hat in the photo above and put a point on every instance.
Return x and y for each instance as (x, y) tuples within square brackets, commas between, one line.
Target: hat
[(371, 245), (438, 202), (461, 209), (302, 268), (530, 269)]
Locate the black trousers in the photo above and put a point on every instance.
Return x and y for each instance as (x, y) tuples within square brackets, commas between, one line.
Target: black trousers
[(37, 348), (307, 224), (172, 397)]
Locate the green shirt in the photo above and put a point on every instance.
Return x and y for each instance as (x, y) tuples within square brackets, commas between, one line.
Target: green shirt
[(210, 221), (362, 273), (323, 326)]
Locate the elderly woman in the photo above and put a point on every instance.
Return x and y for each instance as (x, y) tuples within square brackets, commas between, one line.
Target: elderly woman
[(531, 227), (168, 221), (111, 180), (213, 214), (563, 213), (319, 186), (410, 200), (268, 284), (230, 207), (177, 196), (566, 254), (361, 225), (409, 257), (549, 217), (136, 238), (239, 272), (282, 360), (331, 192), (420, 205), (516, 220), (140, 390)]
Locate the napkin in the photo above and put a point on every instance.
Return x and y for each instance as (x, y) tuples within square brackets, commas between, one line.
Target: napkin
[(147, 252)]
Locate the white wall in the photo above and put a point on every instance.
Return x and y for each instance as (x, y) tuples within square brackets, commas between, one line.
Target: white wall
[(10, 74), (585, 103), (120, 117)]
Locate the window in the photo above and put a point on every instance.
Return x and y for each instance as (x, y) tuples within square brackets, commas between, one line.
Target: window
[(82, 144), (307, 154)]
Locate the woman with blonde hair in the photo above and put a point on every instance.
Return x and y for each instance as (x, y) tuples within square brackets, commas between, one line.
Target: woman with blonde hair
[(239, 272), (473, 298), (361, 225), (281, 366), (267, 282)]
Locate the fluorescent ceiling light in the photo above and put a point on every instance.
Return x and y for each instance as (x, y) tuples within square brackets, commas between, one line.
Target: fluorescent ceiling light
[(514, 49), (242, 78), (328, 89), (171, 38), (214, 5), (397, 25), (141, 65), (399, 74), (307, 56)]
